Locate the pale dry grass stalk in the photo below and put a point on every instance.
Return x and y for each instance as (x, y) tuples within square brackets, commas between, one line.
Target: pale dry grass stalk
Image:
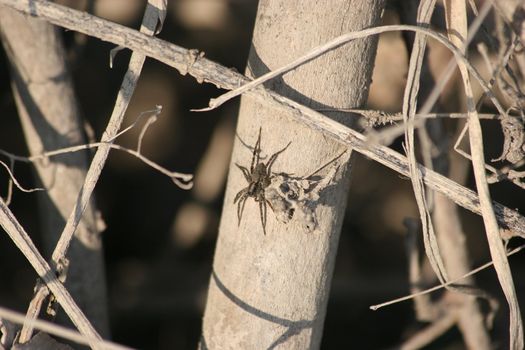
[(409, 110), (441, 286), (443, 236), (152, 16), (456, 15), (342, 40), (59, 331)]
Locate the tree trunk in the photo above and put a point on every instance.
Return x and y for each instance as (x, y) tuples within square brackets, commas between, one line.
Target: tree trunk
[(272, 290), (49, 115)]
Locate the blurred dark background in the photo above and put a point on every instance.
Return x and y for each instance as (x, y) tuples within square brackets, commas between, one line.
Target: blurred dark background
[(159, 240)]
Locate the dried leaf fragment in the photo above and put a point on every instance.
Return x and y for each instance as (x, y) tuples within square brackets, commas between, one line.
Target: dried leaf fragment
[(297, 197), (514, 138)]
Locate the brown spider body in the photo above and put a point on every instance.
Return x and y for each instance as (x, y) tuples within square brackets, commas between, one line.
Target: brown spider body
[(259, 177)]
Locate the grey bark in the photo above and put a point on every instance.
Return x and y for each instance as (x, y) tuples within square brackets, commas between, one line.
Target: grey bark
[(271, 290), (50, 119)]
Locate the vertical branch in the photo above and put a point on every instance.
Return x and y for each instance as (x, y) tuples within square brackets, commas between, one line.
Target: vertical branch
[(271, 291)]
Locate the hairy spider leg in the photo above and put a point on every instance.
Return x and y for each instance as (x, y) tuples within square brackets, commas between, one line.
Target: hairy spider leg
[(270, 204), (245, 172), (325, 165), (262, 210), (240, 206), (256, 152), (240, 194), (274, 157)]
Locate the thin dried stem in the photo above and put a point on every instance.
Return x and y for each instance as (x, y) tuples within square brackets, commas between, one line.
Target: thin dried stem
[(24, 243), (182, 180), (430, 333), (59, 331), (457, 23), (9, 170), (441, 286), (342, 40), (153, 14), (149, 24), (425, 10)]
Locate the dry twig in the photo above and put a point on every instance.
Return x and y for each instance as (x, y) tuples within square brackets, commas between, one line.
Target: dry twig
[(60, 331), (456, 16), (24, 243), (182, 180), (440, 286)]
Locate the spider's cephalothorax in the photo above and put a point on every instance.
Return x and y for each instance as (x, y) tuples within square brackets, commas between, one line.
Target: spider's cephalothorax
[(259, 177)]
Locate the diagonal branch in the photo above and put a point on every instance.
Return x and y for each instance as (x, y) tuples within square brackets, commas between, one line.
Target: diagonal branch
[(24, 243), (57, 330), (149, 24)]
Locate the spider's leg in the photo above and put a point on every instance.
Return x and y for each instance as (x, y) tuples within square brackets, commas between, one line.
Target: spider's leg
[(245, 172), (262, 209), (240, 194), (274, 157), (256, 152), (240, 208), (270, 204)]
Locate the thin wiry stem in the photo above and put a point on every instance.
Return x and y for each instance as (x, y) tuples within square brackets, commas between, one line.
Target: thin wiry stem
[(60, 331), (442, 285)]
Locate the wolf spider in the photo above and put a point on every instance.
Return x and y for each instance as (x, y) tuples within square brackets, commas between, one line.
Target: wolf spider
[(259, 178)]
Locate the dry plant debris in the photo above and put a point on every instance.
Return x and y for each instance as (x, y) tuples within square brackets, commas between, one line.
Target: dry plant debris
[(295, 197)]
